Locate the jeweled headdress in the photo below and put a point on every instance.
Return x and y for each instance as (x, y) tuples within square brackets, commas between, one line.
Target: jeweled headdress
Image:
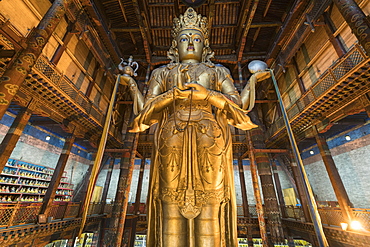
[(190, 20)]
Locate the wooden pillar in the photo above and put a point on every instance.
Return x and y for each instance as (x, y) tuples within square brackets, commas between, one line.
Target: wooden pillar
[(279, 190), (301, 191), (14, 76), (80, 191), (139, 186), (137, 202), (57, 175), (107, 183), (243, 188), (257, 192), (330, 30), (104, 222), (245, 201), (271, 203), (302, 88), (123, 190), (14, 133), (367, 109), (61, 48), (356, 20), (335, 179)]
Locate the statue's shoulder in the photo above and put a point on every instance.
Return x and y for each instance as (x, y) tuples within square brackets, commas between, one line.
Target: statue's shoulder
[(221, 69), (159, 72), (160, 69)]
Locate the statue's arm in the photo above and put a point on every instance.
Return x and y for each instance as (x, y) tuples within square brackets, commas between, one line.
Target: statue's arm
[(136, 95), (227, 94), (158, 97), (249, 93), (156, 100)]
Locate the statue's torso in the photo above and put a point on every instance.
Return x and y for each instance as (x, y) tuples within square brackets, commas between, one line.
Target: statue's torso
[(199, 73)]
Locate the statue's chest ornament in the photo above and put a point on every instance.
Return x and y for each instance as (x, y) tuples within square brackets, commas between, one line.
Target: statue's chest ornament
[(191, 73)]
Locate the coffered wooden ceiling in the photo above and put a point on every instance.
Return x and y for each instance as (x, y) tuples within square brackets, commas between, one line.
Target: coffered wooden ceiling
[(240, 30)]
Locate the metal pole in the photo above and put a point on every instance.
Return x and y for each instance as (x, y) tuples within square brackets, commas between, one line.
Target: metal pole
[(99, 156), (311, 200)]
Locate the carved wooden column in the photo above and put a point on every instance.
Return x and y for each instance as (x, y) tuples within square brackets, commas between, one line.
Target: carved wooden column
[(14, 76), (335, 179), (245, 201), (116, 228), (357, 20), (104, 222), (107, 183), (57, 175), (257, 193), (14, 133), (301, 191), (264, 171), (279, 190), (243, 188), (137, 202)]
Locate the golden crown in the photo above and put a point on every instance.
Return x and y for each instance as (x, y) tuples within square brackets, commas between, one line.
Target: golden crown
[(190, 20)]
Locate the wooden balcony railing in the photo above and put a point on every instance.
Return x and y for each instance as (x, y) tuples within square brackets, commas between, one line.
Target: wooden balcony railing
[(58, 90), (60, 81), (12, 214), (327, 82), (333, 216)]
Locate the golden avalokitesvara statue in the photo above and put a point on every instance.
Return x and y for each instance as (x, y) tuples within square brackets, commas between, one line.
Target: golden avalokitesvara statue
[(191, 199)]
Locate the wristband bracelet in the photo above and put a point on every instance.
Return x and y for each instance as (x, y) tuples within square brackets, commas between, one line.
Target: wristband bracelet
[(210, 93)]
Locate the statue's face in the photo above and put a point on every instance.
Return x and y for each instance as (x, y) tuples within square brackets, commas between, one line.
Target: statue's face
[(190, 45)]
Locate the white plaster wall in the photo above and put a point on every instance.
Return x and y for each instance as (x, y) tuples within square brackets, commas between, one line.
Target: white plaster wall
[(353, 167), (352, 159)]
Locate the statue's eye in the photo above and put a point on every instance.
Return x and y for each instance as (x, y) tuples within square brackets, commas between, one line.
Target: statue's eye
[(183, 40), (197, 40)]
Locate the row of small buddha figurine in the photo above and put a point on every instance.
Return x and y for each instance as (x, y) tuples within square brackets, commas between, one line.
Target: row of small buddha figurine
[(11, 198), (15, 163), (10, 180), (26, 173), (21, 181), (21, 199), (13, 189), (64, 192)]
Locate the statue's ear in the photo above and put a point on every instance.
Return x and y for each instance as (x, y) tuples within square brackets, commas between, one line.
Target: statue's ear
[(206, 43), (174, 43), (173, 53)]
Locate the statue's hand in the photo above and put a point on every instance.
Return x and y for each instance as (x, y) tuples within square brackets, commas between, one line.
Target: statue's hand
[(195, 90), (127, 80), (262, 75)]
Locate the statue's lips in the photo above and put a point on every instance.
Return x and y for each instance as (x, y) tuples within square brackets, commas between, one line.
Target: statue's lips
[(190, 48)]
